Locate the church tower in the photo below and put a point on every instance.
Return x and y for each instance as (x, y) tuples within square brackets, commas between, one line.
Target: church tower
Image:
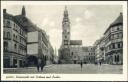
[(65, 30), (23, 11)]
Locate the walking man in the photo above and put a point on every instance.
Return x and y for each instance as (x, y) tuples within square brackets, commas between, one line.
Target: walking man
[(39, 61), (81, 64), (42, 64)]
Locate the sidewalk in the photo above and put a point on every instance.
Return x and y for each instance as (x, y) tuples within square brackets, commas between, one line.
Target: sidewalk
[(25, 69)]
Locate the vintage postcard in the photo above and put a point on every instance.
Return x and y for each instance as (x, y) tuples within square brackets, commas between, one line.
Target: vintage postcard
[(64, 40)]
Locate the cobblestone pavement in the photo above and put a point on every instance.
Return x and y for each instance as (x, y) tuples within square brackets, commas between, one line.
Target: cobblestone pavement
[(69, 69)]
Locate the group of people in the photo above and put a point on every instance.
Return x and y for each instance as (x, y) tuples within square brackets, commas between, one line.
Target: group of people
[(40, 64)]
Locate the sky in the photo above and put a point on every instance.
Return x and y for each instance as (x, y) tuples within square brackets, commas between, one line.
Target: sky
[(88, 22)]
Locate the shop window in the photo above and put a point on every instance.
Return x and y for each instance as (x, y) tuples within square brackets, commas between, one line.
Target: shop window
[(14, 62), (6, 63)]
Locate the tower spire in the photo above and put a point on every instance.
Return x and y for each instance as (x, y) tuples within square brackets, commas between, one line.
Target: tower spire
[(65, 7), (66, 11), (23, 11)]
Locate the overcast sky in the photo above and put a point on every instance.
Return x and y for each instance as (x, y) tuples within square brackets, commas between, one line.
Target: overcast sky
[(88, 22)]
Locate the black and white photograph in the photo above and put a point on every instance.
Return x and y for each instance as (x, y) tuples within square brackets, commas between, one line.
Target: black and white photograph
[(63, 38)]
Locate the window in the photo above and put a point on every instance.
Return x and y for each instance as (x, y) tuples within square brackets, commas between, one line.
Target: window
[(120, 35), (15, 46), (8, 35), (119, 45), (72, 53), (117, 58), (118, 28), (4, 34), (65, 42), (5, 46), (116, 45), (65, 36), (8, 23), (13, 36), (16, 37), (112, 36), (113, 46)]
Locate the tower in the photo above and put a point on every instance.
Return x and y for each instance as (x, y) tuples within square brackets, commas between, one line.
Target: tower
[(65, 30), (23, 11)]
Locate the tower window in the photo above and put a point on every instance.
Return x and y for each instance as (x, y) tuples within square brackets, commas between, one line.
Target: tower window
[(65, 42), (65, 36)]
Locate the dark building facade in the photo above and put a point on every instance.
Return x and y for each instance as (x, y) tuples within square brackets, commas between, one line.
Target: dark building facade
[(14, 40), (17, 30)]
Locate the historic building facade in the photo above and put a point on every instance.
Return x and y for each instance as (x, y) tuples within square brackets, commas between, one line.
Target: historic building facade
[(76, 51), (99, 46), (38, 46), (114, 42), (14, 40), (109, 48), (24, 42), (88, 54)]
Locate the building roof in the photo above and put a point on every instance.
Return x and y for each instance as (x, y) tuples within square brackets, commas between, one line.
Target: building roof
[(7, 15), (20, 19), (88, 48), (75, 42), (119, 20)]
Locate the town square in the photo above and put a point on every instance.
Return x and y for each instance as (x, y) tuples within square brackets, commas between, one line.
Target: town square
[(62, 39)]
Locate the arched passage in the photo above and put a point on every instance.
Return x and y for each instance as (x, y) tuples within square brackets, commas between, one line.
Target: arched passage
[(32, 60)]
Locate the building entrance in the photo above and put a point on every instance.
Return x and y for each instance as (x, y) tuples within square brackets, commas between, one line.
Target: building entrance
[(32, 61)]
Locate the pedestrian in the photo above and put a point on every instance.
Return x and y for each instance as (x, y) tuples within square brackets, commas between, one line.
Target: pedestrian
[(81, 64), (100, 63), (38, 64), (42, 64)]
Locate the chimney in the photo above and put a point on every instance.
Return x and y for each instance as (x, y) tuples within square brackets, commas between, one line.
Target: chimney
[(4, 10), (121, 13)]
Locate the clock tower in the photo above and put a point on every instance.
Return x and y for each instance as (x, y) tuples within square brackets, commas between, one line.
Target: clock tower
[(65, 30)]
